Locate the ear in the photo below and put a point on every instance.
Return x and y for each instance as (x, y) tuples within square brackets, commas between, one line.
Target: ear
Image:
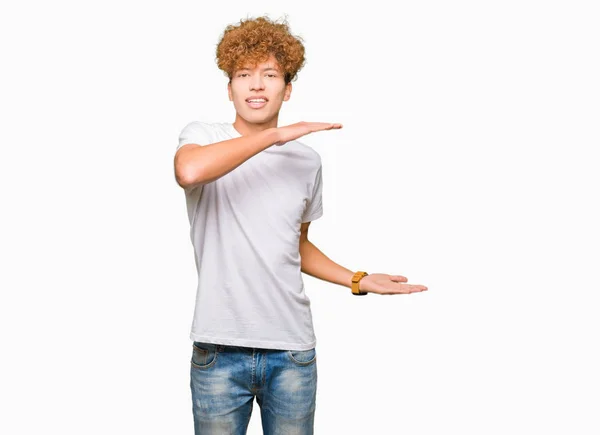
[(229, 91), (288, 91)]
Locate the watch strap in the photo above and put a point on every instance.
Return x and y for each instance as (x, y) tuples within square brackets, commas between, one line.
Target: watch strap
[(355, 283)]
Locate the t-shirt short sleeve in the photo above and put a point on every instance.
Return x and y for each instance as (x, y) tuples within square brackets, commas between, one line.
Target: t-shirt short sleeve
[(195, 132), (314, 208)]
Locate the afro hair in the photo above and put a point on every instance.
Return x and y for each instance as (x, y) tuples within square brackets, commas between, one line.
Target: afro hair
[(253, 41)]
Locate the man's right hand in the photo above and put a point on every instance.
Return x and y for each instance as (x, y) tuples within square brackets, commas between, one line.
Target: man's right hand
[(294, 131)]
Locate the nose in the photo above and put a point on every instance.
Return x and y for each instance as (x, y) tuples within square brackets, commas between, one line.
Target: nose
[(256, 83)]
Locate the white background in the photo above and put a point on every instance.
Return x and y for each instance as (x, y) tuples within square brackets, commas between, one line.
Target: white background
[(466, 163)]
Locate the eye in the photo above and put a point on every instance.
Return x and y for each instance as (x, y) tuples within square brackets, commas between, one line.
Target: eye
[(242, 74), (271, 75)]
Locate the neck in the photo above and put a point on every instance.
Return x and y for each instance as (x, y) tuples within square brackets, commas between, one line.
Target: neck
[(245, 128)]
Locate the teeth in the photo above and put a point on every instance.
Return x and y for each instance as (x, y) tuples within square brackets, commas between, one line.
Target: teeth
[(256, 101)]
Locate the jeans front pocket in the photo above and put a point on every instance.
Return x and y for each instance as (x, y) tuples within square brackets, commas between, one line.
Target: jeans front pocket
[(204, 355), (303, 357)]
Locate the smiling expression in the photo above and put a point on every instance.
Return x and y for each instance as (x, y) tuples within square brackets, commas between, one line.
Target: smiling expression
[(258, 93)]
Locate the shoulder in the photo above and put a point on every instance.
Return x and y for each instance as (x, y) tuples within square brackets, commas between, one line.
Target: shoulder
[(308, 151), (198, 126), (199, 132)]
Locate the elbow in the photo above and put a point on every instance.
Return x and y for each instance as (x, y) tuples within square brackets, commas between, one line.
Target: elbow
[(182, 180), (187, 177), (303, 245)]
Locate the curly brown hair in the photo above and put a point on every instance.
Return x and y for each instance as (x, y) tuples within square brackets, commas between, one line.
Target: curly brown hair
[(254, 40)]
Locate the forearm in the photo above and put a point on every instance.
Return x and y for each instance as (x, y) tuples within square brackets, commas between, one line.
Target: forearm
[(196, 164), (318, 265)]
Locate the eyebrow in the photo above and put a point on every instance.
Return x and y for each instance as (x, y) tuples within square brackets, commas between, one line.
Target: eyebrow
[(264, 69)]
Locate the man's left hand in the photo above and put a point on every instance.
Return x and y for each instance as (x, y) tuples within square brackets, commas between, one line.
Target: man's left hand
[(385, 284)]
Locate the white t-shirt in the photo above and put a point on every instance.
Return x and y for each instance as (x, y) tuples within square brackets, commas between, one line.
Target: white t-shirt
[(245, 230)]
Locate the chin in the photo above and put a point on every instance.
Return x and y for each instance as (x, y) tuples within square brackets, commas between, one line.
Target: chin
[(256, 118)]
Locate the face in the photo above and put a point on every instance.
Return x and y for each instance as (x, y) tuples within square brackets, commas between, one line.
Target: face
[(258, 93)]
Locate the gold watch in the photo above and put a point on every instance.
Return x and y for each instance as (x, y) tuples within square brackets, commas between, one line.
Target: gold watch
[(355, 280)]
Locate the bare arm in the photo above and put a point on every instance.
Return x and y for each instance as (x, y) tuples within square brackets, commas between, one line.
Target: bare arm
[(318, 265), (203, 164)]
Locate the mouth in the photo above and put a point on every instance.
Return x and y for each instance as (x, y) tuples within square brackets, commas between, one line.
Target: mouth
[(256, 103)]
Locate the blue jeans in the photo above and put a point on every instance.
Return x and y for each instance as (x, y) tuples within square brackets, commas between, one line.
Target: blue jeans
[(224, 380)]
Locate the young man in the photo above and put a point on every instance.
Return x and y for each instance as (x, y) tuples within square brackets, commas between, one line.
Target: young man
[(252, 190)]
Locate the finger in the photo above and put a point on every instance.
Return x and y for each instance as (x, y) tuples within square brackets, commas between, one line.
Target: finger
[(410, 288), (319, 126), (331, 125), (398, 278)]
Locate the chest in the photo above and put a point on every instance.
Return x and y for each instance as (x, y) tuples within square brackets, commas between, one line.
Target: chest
[(270, 187)]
